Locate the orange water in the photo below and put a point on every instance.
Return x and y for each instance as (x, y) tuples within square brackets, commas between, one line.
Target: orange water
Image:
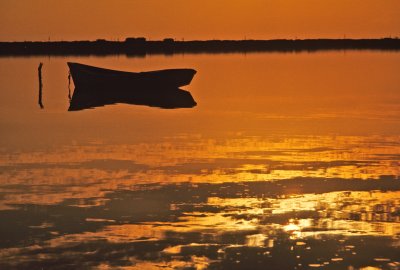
[(288, 161)]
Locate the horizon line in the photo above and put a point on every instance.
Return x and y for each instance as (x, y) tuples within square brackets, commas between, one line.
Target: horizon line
[(189, 40)]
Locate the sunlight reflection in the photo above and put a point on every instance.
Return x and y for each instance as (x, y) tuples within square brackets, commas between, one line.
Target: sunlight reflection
[(62, 172)]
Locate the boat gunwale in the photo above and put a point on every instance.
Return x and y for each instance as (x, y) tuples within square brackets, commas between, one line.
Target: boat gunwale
[(94, 69)]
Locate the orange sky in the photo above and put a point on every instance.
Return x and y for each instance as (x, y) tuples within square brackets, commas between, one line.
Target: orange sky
[(197, 19)]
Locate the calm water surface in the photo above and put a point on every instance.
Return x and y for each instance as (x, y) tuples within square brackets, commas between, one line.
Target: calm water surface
[(289, 161)]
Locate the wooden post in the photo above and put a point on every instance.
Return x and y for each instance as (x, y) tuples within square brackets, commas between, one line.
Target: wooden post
[(40, 85)]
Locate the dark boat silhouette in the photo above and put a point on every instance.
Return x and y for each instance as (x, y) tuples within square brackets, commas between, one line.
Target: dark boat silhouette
[(167, 98), (89, 76), (95, 87)]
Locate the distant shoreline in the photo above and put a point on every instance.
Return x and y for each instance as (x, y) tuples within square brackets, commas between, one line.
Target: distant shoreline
[(141, 46)]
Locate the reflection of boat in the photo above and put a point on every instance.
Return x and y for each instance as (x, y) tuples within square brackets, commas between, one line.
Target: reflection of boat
[(89, 76), (169, 98)]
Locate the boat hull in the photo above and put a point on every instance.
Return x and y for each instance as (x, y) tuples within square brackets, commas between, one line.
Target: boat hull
[(88, 76)]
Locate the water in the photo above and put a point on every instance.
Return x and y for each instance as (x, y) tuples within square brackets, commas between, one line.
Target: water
[(288, 161)]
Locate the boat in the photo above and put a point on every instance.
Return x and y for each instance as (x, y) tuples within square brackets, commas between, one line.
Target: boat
[(85, 76)]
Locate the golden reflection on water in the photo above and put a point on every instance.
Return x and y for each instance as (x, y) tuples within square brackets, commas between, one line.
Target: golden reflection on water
[(98, 168), (242, 223)]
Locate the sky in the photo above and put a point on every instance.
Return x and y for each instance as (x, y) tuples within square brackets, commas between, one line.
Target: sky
[(197, 19)]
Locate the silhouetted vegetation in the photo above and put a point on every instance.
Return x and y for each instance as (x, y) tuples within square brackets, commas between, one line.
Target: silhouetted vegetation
[(141, 46)]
